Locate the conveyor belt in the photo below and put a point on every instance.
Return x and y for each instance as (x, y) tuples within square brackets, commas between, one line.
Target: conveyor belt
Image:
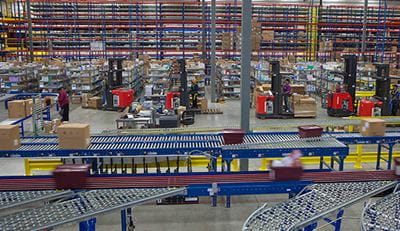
[(14, 199), (85, 205), (384, 214), (307, 208), (184, 179)]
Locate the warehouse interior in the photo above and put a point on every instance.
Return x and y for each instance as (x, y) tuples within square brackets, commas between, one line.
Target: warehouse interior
[(199, 115)]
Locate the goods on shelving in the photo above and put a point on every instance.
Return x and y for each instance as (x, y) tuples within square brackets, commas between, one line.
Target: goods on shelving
[(52, 76), (86, 76), (230, 77), (18, 77)]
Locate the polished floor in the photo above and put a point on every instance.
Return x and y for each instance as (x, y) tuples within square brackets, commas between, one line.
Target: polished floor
[(199, 217)]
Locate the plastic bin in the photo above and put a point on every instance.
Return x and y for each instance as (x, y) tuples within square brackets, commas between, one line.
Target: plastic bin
[(233, 136), (71, 176), (286, 173), (310, 131)]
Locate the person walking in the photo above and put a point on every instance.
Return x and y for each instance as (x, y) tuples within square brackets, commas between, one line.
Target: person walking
[(287, 91), (63, 102), (395, 100)]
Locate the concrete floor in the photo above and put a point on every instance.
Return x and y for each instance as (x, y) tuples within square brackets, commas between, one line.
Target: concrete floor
[(189, 217)]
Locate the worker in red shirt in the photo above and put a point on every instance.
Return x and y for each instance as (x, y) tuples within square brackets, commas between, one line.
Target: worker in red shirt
[(63, 102)]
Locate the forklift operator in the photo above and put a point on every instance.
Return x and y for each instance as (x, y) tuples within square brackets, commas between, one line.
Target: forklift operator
[(395, 100), (194, 91), (287, 91)]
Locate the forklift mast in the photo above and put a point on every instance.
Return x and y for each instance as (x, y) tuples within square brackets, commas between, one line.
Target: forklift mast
[(114, 80), (382, 87), (276, 86), (184, 96), (350, 74)]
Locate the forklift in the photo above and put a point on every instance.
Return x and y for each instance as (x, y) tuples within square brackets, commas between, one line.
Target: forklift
[(113, 81), (380, 103), (342, 104), (271, 106)]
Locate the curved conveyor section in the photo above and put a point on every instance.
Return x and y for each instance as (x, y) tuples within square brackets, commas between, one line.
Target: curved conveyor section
[(316, 202)]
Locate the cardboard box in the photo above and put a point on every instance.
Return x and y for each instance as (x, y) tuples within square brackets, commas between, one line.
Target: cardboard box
[(16, 109), (372, 127), (76, 99), (95, 102), (48, 127), (85, 100), (204, 105), (9, 137), (74, 136), (28, 107)]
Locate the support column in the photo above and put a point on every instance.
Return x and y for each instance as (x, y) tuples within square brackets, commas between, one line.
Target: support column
[(28, 12), (245, 73), (364, 32), (213, 53)]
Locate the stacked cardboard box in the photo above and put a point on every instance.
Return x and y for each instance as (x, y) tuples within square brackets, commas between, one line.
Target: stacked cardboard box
[(303, 106), (325, 46), (20, 108), (227, 41), (76, 99), (85, 100), (268, 35), (74, 136), (299, 89), (95, 102), (9, 137), (372, 127)]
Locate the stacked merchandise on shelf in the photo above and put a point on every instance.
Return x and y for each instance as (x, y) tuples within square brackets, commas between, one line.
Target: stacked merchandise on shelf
[(306, 74), (330, 77), (261, 72), (195, 70), (230, 77), (365, 77), (52, 75), (158, 77), (255, 35), (86, 76), (18, 77), (227, 41), (133, 75)]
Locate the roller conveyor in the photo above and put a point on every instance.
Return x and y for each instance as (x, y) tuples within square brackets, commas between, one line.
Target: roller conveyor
[(384, 214), (318, 201), (330, 144), (84, 206), (14, 199)]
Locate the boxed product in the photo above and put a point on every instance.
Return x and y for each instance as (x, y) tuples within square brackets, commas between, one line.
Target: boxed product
[(372, 127), (71, 176), (204, 105), (85, 100), (56, 123), (289, 168), (16, 109), (95, 102), (74, 136), (76, 99), (9, 137), (48, 127), (28, 107)]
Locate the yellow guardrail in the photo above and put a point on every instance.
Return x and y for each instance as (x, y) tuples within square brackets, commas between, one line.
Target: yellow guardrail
[(365, 93), (51, 164)]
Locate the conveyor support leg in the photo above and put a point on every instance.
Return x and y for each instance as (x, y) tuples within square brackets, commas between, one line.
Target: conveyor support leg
[(89, 225), (359, 149)]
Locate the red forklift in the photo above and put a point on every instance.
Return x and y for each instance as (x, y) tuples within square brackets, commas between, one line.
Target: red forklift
[(342, 104), (380, 103), (271, 106)]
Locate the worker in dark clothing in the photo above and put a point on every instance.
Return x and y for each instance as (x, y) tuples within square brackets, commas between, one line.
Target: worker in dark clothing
[(395, 100), (194, 91), (63, 102), (287, 92)]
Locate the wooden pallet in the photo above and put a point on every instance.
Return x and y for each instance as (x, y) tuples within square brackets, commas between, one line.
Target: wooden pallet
[(212, 111)]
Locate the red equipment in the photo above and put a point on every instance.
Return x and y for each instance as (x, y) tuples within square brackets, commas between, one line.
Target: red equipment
[(169, 99), (340, 104), (123, 97), (370, 108), (264, 105)]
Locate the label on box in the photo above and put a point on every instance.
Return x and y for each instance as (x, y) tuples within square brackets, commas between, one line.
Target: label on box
[(16, 142), (366, 125)]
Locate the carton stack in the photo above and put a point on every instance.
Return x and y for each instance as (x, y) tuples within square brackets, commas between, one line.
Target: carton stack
[(227, 41), (267, 35), (74, 136), (255, 35), (95, 102), (326, 46), (299, 89), (85, 100), (372, 127), (9, 137), (20, 108), (303, 106)]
